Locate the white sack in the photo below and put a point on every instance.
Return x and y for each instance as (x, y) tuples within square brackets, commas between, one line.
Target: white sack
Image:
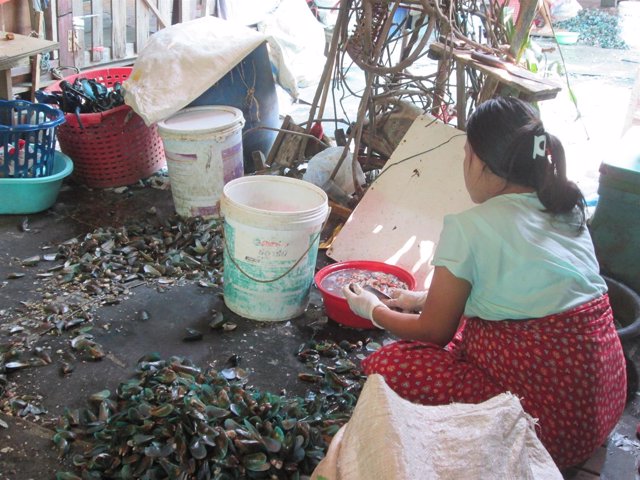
[(181, 62), (391, 438), (320, 167)]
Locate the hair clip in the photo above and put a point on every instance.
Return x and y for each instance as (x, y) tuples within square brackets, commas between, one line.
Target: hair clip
[(539, 146)]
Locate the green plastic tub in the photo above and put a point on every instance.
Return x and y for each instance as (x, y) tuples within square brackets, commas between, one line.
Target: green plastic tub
[(567, 38), (32, 195), (615, 226)]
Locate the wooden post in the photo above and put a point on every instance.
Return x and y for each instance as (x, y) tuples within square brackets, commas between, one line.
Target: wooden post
[(165, 10), (161, 17), (208, 7), (175, 12), (78, 33), (118, 29), (461, 96), (37, 24), (21, 16), (65, 32), (6, 89), (187, 10), (528, 9), (97, 33), (51, 26), (143, 17)]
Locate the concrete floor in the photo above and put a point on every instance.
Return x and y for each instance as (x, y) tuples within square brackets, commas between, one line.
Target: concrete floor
[(267, 350)]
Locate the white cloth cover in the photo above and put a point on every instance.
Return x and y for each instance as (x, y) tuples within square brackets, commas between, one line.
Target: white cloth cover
[(391, 438), (181, 62)]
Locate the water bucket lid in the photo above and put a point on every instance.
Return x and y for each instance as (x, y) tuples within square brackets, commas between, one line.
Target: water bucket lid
[(210, 118)]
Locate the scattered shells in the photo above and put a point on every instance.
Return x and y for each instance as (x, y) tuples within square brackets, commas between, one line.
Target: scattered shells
[(192, 335)]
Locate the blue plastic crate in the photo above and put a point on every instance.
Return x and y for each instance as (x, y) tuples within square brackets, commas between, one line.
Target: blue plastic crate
[(27, 138)]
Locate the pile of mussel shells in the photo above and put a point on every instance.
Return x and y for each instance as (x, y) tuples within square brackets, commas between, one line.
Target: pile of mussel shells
[(154, 249), (174, 420), (103, 266)]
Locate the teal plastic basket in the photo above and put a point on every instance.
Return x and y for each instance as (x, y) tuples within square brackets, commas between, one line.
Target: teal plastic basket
[(32, 195), (27, 138)]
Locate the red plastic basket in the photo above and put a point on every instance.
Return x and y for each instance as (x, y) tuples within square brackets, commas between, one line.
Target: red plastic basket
[(112, 148), (337, 307)]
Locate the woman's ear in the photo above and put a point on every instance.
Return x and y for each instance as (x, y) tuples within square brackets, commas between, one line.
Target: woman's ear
[(475, 160)]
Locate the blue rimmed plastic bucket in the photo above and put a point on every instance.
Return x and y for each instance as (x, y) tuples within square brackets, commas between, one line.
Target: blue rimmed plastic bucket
[(32, 195)]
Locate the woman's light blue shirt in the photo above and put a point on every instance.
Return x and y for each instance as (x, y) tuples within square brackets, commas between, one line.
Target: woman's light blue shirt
[(521, 262)]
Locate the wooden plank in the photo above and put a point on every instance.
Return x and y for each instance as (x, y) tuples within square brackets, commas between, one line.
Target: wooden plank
[(165, 9), (461, 96), (51, 25), (6, 87), (208, 7), (37, 23), (536, 88), (143, 17), (187, 10), (528, 9), (78, 30), (118, 29), (286, 148), (162, 18), (21, 47), (97, 30), (65, 32)]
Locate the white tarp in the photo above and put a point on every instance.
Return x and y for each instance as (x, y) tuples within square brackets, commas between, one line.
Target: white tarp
[(181, 62), (296, 45), (391, 438)]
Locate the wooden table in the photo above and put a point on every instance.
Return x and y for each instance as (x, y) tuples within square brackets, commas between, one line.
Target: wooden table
[(12, 52)]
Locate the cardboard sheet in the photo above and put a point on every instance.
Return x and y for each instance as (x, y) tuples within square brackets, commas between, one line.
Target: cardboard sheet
[(399, 219)]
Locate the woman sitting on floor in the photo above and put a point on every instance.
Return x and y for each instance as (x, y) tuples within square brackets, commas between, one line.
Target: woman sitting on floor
[(516, 302)]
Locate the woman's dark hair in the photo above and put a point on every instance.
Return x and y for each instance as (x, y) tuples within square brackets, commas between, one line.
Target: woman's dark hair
[(509, 137)]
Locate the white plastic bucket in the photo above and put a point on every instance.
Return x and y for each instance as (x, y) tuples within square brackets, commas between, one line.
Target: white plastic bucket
[(203, 147), (272, 228)]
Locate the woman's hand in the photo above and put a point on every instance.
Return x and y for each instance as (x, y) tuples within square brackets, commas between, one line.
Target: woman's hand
[(361, 302), (406, 300), (440, 316)]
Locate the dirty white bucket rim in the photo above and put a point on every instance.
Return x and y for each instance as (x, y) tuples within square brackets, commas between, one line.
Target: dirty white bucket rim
[(203, 120), (317, 208)]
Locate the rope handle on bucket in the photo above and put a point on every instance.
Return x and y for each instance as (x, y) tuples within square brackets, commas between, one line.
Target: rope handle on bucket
[(290, 269)]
